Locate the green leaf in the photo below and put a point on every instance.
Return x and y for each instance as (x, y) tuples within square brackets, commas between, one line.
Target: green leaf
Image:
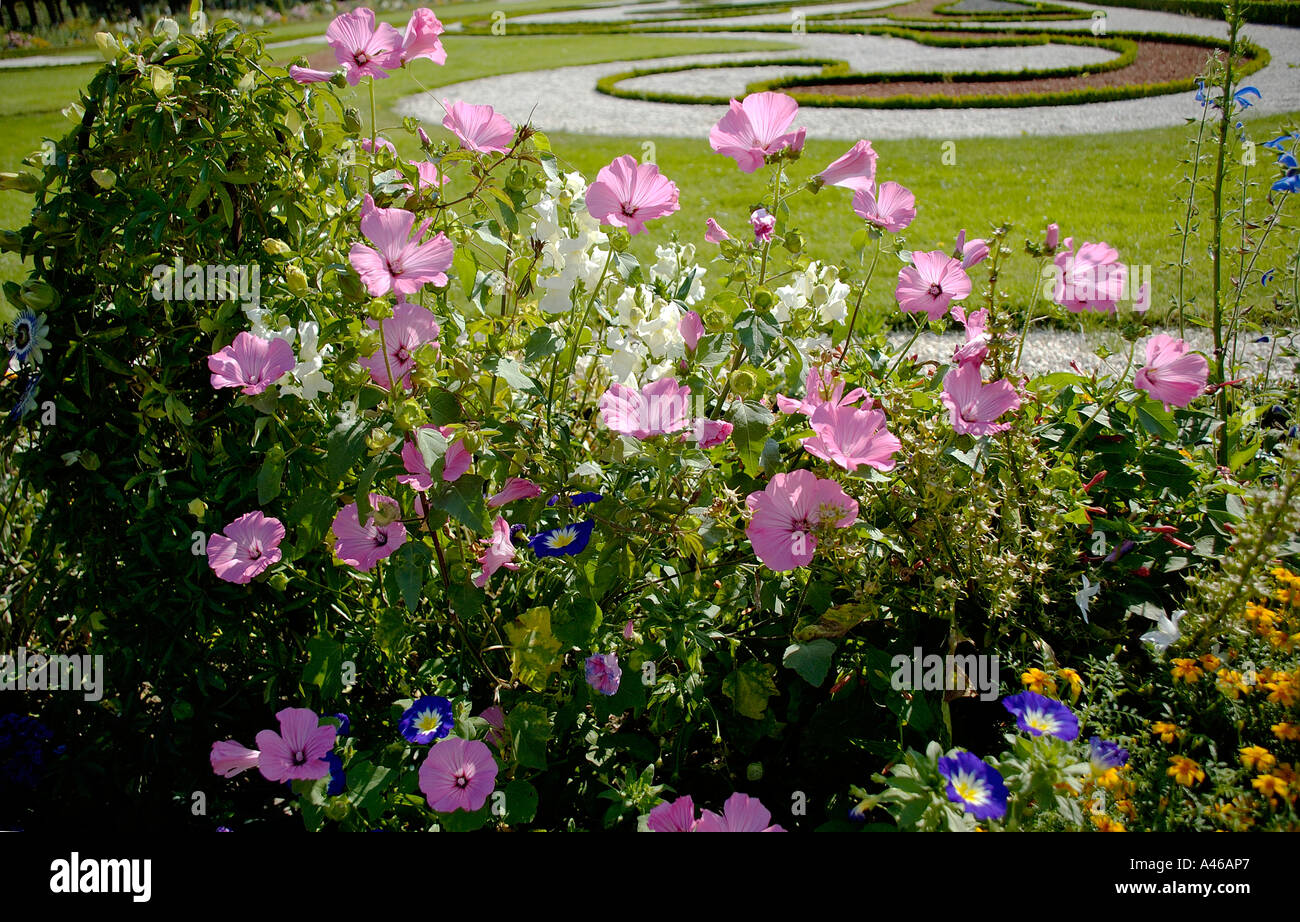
[(344, 447), (756, 331), (324, 666), (575, 621), (811, 660), (521, 802), (749, 687), (409, 567), (463, 500), (270, 477), (465, 268), (366, 786), (464, 820), (535, 653), (432, 445), (514, 376), (542, 343), (529, 727), (442, 407), (749, 435), (1158, 422)]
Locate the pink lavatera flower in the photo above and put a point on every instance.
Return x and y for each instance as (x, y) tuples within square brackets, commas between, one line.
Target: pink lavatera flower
[(628, 194), (891, 207), (763, 225), (307, 75), (515, 488), (248, 545), (398, 262), (974, 406), (363, 48), (229, 758), (410, 327), (420, 40), (976, 347), (786, 517), (458, 774), (363, 546), (603, 673), (855, 170), (691, 326), (455, 462), (297, 752), (756, 129), (741, 813), (931, 283), (713, 232), (710, 433), (370, 145), (500, 553), (1172, 375), (660, 408), (1093, 279), (819, 391), (676, 816), (430, 178), (851, 438), (478, 128), (251, 363), (971, 253)]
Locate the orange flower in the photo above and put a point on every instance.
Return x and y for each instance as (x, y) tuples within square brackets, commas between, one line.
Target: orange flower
[(1210, 661), (1257, 758), (1187, 670), (1038, 681), (1287, 731), (1269, 785), (1185, 771), (1106, 824), (1166, 731)]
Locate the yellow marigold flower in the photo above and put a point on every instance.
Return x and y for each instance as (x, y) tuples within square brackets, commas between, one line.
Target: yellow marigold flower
[(1210, 661), (1109, 779), (1282, 690), (1075, 680), (1166, 731), (1269, 785), (1282, 640), (1185, 771), (1225, 813), (1187, 670), (1286, 772), (1257, 758), (1126, 807), (1230, 682), (1106, 824), (1283, 575), (1038, 681), (1286, 731)]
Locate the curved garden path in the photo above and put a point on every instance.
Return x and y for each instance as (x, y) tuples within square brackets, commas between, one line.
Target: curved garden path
[(565, 98)]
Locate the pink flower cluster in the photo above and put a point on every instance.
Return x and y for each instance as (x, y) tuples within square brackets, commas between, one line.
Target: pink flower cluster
[(296, 753), (660, 408), (741, 813), (366, 49)]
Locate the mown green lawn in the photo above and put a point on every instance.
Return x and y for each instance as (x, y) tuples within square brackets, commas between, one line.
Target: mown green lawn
[(1116, 187)]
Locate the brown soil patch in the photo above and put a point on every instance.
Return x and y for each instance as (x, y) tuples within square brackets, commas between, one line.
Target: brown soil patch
[(924, 9), (1156, 62)]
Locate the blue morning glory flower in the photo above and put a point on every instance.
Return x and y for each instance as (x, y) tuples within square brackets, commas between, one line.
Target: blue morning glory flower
[(976, 785), (345, 725), (1290, 182), (338, 780), (577, 499), (1266, 279), (427, 720), (1242, 96), (1105, 755), (566, 540), (1038, 714)]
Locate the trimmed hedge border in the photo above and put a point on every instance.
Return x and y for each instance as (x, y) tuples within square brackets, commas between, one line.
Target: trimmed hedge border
[(1272, 14), (837, 72)]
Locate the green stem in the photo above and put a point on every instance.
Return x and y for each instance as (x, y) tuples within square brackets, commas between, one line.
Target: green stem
[(1225, 119), (848, 336), (1104, 402)]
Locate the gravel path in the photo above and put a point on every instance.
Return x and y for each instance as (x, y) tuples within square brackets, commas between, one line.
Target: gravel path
[(565, 99), (1053, 350)]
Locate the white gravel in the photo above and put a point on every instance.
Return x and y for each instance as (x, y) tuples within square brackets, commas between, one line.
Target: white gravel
[(565, 99), (1053, 350)]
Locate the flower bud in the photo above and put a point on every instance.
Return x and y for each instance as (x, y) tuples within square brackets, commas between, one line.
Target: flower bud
[(743, 382), (425, 141), (39, 295), (10, 241), (763, 299), (339, 81), (793, 242), (273, 246), (409, 415), (19, 182), (296, 280), (1053, 238), (619, 240), (379, 309), (197, 508), (351, 121), (278, 581), (108, 46), (105, 179)]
